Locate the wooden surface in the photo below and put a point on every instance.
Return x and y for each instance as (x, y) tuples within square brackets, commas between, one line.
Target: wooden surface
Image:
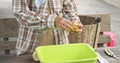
[(4, 45), (104, 39), (28, 58), (8, 27), (16, 59), (110, 59)]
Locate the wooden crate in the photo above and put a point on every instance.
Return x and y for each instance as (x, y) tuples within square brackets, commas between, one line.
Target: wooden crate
[(8, 28)]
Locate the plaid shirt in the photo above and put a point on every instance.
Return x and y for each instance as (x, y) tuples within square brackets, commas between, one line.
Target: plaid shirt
[(29, 19)]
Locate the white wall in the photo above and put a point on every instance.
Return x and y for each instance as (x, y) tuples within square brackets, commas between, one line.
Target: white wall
[(6, 9), (114, 2)]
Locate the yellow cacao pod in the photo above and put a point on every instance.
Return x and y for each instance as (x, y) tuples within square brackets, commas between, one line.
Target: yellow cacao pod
[(75, 26)]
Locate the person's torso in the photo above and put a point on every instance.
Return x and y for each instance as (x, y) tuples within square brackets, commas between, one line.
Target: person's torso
[(54, 5)]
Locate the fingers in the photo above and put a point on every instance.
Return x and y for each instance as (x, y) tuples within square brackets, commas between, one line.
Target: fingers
[(80, 26), (69, 22), (65, 28), (79, 30), (68, 25), (65, 24)]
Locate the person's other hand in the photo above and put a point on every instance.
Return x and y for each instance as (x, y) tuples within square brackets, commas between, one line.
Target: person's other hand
[(80, 27), (63, 23)]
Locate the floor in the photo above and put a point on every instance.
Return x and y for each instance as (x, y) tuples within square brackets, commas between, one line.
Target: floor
[(84, 7)]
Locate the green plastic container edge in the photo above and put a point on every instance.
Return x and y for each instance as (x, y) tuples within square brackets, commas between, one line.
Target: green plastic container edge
[(82, 60)]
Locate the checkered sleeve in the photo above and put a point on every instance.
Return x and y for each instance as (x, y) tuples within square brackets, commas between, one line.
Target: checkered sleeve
[(27, 17), (70, 10)]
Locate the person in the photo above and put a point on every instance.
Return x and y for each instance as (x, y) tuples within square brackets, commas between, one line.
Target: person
[(33, 14)]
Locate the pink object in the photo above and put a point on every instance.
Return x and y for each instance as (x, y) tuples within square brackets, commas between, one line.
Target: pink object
[(112, 42)]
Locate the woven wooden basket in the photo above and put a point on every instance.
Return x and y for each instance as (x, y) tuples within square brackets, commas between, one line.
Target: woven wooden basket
[(90, 33)]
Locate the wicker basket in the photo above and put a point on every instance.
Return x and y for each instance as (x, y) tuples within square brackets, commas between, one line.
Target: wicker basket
[(90, 33)]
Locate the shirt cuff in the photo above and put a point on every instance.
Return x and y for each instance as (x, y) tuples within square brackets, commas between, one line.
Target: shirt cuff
[(50, 21)]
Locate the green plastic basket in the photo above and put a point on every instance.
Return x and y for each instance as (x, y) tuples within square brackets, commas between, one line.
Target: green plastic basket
[(68, 53)]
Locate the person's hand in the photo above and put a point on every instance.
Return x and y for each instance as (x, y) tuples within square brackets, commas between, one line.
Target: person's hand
[(63, 23), (80, 27)]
